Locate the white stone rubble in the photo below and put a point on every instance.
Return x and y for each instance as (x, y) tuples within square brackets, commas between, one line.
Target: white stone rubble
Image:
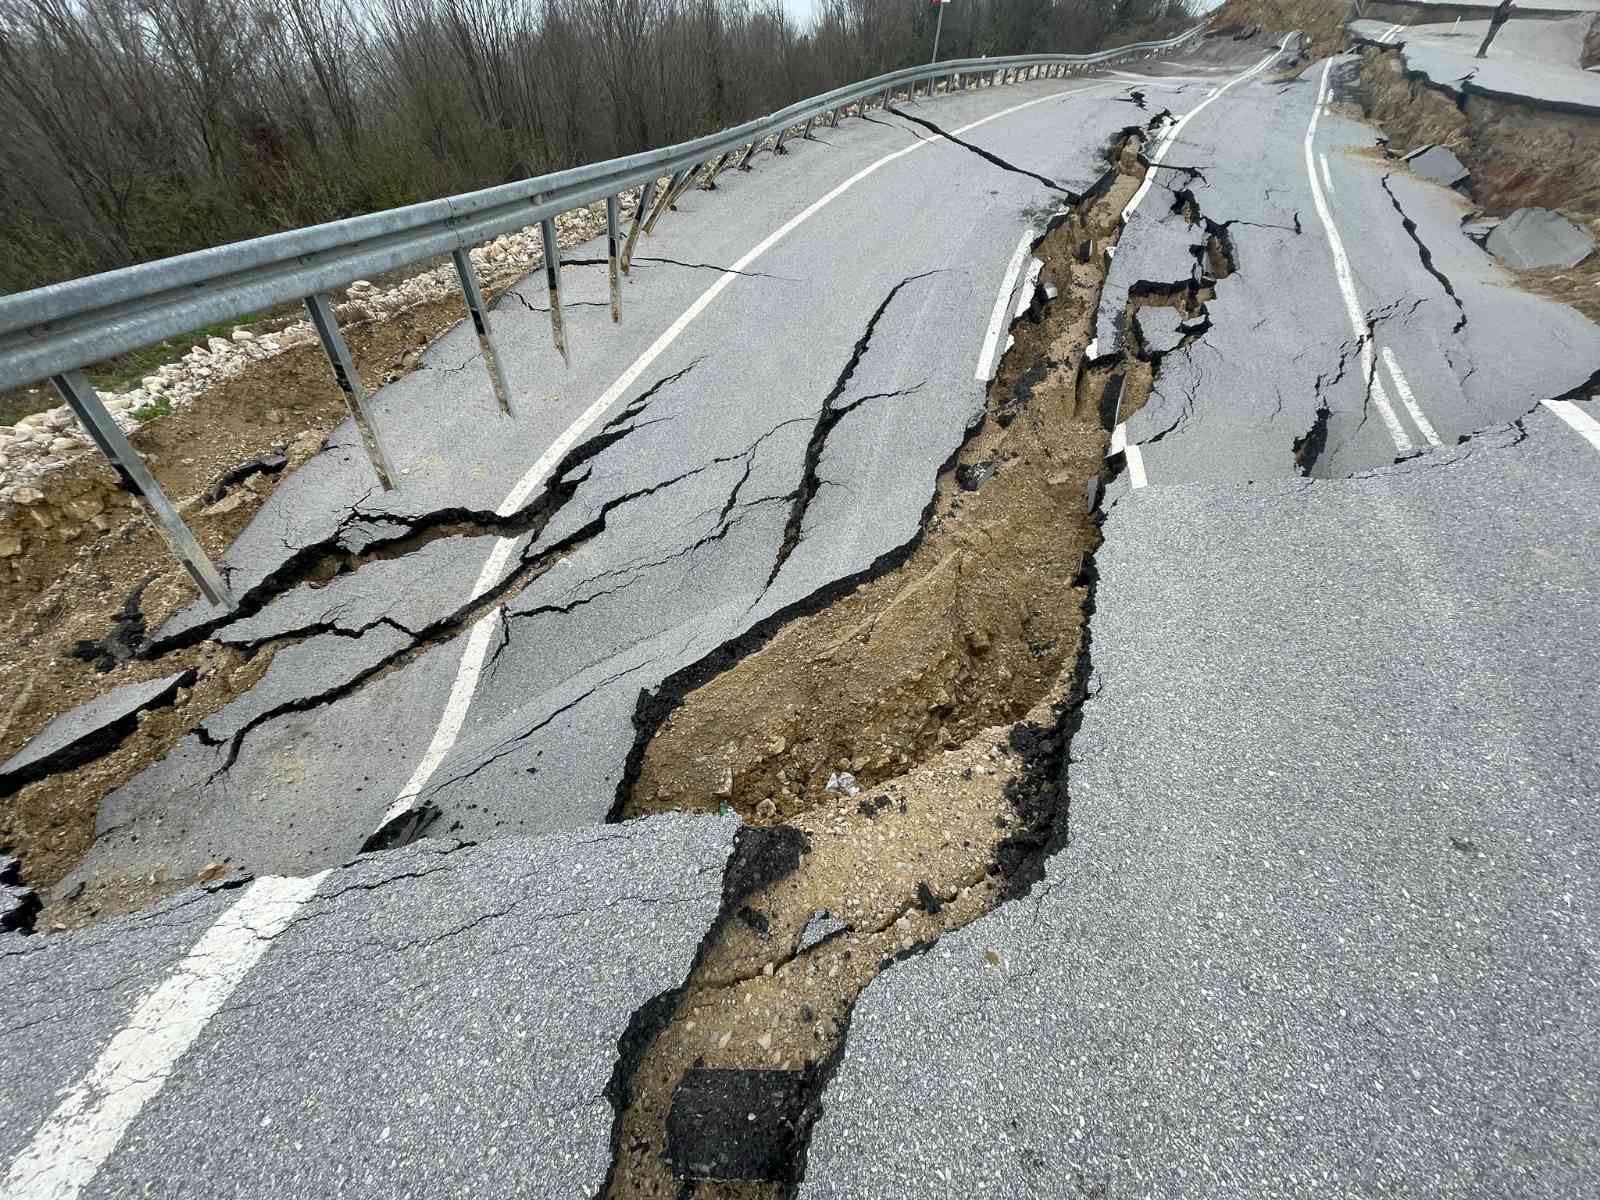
[(43, 442)]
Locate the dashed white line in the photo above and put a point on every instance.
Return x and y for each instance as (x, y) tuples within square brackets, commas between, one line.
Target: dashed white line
[(1581, 422), (988, 356), (1136, 475), (78, 1137), (1347, 286), (1402, 389)]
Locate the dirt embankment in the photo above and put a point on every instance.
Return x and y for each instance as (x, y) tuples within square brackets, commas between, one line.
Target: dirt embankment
[(1321, 22), (946, 688), (1519, 156)]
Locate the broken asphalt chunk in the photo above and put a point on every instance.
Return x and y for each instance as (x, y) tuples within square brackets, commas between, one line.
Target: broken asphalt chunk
[(1439, 164), (1537, 237), (735, 1124), (972, 476), (822, 926), (87, 731), (1161, 329), (19, 904)]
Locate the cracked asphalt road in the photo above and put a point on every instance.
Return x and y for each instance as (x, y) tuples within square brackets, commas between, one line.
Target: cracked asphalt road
[(776, 448), (1323, 919)]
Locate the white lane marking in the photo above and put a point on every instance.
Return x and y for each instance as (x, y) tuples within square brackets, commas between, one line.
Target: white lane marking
[(86, 1126), (1402, 388), (1581, 422), (1119, 440), (1136, 475), (1327, 175), (481, 635), (1347, 285), (987, 358), (1170, 136), (1030, 285), (454, 716)]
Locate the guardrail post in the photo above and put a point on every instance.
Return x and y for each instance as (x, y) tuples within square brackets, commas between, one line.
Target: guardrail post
[(749, 153), (667, 195), (344, 374), (834, 121), (552, 283), (479, 312), (683, 186), (806, 132), (613, 259), (709, 183), (777, 146), (80, 396), (645, 190)]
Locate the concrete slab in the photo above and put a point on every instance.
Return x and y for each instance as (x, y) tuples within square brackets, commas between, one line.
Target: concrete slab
[(1439, 164), (1537, 237)]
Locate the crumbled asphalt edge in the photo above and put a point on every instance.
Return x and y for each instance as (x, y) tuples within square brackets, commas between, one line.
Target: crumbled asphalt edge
[(126, 637), (1038, 794), (104, 740), (410, 533), (761, 856)]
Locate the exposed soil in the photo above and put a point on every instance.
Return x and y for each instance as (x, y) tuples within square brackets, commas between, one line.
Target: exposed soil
[(945, 686), (1519, 155), (1321, 22)]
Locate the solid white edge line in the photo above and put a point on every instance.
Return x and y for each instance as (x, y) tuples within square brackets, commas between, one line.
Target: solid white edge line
[(480, 637), (1030, 284), (1327, 175), (1581, 422), (1402, 387), (1119, 440), (1347, 286), (987, 356), (1136, 475), (77, 1138)]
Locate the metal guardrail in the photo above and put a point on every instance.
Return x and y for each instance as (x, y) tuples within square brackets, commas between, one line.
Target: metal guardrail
[(52, 332)]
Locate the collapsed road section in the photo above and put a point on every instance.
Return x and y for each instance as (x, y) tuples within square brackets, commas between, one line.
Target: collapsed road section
[(466, 657)]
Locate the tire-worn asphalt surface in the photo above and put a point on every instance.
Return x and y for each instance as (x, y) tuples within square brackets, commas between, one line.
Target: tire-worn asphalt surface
[(1323, 916)]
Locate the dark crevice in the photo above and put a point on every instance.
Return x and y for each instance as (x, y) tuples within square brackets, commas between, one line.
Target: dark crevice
[(1426, 256), (306, 563), (986, 155), (713, 267), (827, 417)]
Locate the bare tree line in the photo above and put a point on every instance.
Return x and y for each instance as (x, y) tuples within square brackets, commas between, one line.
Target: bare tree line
[(134, 129)]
